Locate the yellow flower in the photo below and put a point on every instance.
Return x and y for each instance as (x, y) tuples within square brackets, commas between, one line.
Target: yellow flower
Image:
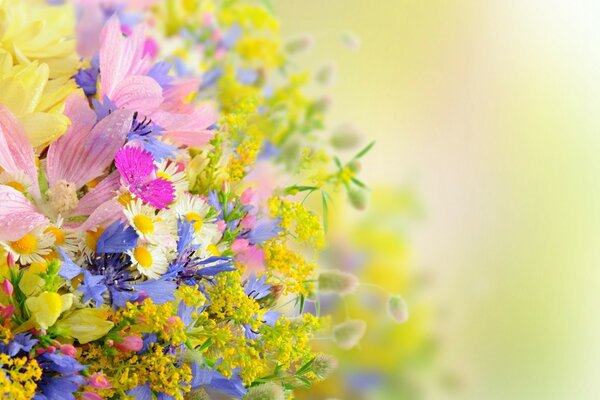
[(85, 325), (37, 59), (47, 307)]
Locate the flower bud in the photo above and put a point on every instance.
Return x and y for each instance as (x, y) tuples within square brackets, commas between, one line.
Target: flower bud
[(10, 260), (351, 40), (7, 311), (347, 334), (99, 381), (336, 281), (7, 287), (299, 44), (323, 365), (326, 74), (68, 350), (397, 309), (90, 396), (130, 343), (358, 198), (266, 391)]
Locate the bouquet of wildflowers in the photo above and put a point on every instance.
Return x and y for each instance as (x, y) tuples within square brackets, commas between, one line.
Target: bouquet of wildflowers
[(155, 241)]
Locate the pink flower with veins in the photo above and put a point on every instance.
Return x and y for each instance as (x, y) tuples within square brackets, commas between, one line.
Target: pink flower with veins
[(99, 381), (79, 156), (124, 65)]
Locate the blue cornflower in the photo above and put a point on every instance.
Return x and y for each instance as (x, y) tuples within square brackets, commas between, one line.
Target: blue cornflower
[(86, 78), (265, 229), (247, 76), (210, 77), (21, 342), (211, 380), (93, 288), (59, 387), (68, 269), (148, 134), (117, 238), (257, 288), (160, 73)]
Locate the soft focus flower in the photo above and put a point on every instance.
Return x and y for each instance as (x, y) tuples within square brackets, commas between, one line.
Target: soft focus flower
[(47, 307)]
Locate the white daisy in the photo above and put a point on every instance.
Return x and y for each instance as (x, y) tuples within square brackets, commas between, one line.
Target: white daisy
[(198, 213), (17, 180), (32, 247), (150, 226), (66, 238), (149, 260), (169, 171)]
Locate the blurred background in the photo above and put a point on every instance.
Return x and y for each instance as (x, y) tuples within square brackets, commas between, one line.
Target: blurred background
[(488, 135)]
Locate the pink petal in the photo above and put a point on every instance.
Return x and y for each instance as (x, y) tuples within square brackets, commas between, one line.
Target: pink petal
[(17, 215), (190, 129), (89, 26), (103, 192), (120, 57), (138, 93), (16, 153), (105, 214), (176, 94), (158, 193), (83, 153), (135, 164)]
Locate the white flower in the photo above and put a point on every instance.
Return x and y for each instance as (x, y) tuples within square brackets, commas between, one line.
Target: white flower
[(197, 212), (149, 260), (32, 247)]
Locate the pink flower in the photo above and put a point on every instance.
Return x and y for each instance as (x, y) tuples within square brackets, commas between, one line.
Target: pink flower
[(6, 312), (239, 245), (247, 196), (68, 350), (130, 343), (138, 174), (248, 221), (99, 381), (7, 287)]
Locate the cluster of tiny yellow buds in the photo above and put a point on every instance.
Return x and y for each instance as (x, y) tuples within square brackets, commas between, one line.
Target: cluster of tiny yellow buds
[(229, 301), (191, 296), (287, 341), (288, 268), (297, 219), (18, 377), (151, 318)]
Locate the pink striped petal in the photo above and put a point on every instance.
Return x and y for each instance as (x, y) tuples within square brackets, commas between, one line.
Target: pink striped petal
[(82, 154), (104, 215), (138, 93), (16, 153), (120, 57), (103, 192), (190, 129), (17, 215)]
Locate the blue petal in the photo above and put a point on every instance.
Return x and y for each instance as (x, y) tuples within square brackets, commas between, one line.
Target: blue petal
[(117, 238), (141, 392), (68, 269)]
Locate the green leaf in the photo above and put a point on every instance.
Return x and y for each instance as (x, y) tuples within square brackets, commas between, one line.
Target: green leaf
[(359, 183), (365, 150), (338, 163), (299, 188), (325, 212), (305, 368)]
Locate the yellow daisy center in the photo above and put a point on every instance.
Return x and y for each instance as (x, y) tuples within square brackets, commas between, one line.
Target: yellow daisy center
[(59, 235), (196, 220), (164, 175), (144, 224), (16, 185), (143, 257), (26, 245)]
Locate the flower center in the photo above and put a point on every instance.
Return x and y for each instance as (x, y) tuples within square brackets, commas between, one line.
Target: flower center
[(144, 224), (125, 199), (196, 220), (164, 175), (143, 257), (63, 196), (26, 245), (59, 235)]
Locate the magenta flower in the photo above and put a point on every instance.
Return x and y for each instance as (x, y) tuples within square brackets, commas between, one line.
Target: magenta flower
[(138, 173)]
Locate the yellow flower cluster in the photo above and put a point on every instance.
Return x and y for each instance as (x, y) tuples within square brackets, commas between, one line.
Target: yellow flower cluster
[(288, 268), (191, 296), (288, 340), (18, 377), (151, 318), (305, 226), (228, 300)]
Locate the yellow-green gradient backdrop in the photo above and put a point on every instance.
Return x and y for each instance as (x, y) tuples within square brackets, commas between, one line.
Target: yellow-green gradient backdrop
[(491, 108)]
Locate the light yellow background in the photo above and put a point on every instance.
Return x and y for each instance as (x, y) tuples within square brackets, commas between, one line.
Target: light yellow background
[(491, 108)]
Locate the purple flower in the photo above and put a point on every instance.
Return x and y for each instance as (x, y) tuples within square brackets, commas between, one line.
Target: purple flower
[(212, 380), (68, 268), (21, 342), (137, 173), (257, 288), (264, 230), (93, 288), (117, 238), (86, 78)]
